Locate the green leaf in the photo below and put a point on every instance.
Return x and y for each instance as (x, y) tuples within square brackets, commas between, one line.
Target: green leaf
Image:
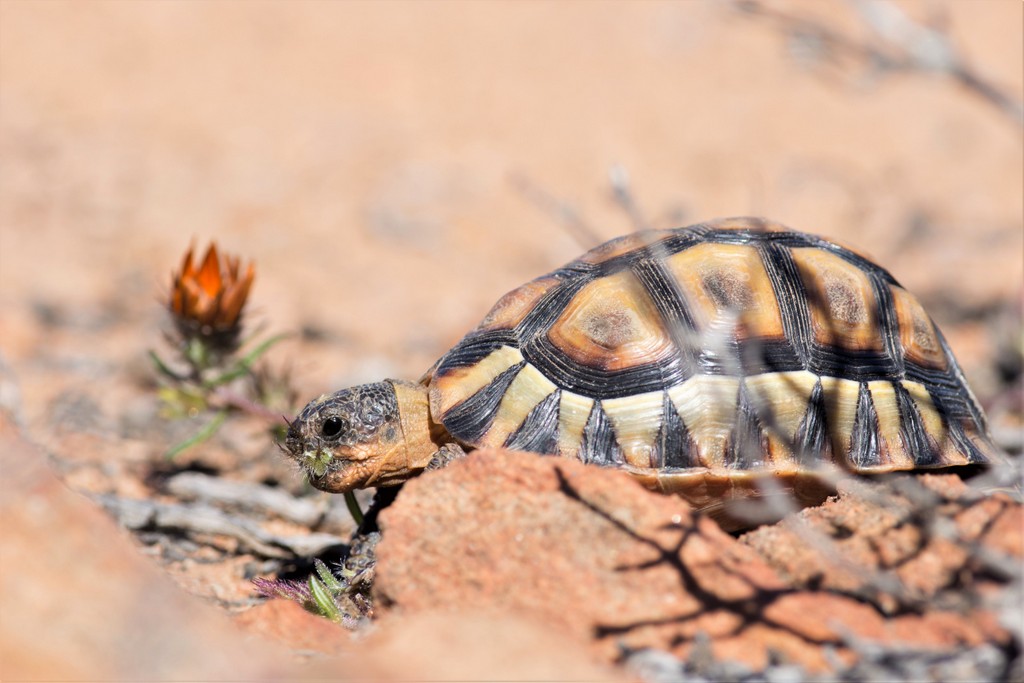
[(163, 368), (330, 581), (205, 433), (244, 364), (323, 600)]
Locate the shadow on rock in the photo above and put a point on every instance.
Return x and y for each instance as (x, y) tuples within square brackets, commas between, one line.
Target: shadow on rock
[(619, 569)]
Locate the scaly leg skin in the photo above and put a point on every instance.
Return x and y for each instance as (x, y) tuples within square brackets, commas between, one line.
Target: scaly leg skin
[(357, 569), (445, 455)]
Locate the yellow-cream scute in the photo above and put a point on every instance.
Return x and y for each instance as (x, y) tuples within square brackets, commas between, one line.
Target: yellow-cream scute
[(636, 421), (529, 388), (455, 386)]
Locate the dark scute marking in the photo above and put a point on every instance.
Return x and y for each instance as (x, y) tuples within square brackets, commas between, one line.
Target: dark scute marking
[(470, 420), (965, 445), (811, 441), (931, 377), (795, 240), (742, 236), (954, 405), (864, 442), (888, 323), (661, 248), (747, 443), (851, 364), (539, 431), (791, 295), (760, 356), (599, 445), (552, 304), (663, 288), (598, 382), (874, 270), (751, 357), (951, 400), (474, 347), (674, 447), (957, 375), (919, 445)]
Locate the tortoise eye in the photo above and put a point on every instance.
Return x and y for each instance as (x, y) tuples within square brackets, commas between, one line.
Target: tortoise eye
[(332, 427)]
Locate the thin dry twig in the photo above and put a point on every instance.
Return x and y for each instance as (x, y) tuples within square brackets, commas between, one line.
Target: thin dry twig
[(623, 195), (567, 216), (898, 44), (224, 397)]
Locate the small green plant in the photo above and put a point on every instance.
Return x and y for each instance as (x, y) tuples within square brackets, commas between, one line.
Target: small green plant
[(322, 593)]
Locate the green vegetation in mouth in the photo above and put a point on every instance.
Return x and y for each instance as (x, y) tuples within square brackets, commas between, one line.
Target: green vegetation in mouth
[(316, 462)]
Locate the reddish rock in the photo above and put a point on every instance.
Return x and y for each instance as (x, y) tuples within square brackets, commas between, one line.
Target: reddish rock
[(73, 580), (80, 603), (899, 545), (598, 558), (286, 622), (477, 646)]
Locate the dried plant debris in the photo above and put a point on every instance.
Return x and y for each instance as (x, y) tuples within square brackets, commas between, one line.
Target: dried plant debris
[(200, 520), (247, 496), (877, 662)]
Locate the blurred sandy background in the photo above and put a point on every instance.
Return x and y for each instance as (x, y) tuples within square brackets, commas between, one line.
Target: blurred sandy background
[(364, 155)]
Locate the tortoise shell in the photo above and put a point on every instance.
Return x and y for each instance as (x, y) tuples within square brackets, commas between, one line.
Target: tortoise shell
[(708, 354)]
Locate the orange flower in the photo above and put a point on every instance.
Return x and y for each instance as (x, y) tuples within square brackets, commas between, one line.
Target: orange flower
[(207, 303)]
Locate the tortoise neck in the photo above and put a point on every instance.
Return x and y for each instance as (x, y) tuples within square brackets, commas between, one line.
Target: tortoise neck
[(421, 435)]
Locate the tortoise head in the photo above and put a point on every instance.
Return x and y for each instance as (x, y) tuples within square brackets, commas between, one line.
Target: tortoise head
[(351, 439)]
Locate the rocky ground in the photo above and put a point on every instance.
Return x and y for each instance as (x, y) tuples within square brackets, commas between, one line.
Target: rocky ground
[(392, 170)]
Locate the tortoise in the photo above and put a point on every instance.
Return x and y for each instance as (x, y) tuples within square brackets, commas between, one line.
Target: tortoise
[(703, 360)]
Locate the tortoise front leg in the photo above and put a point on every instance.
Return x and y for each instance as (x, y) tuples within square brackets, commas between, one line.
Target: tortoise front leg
[(445, 455)]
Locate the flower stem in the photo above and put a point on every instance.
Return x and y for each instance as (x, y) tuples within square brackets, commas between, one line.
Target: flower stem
[(353, 507)]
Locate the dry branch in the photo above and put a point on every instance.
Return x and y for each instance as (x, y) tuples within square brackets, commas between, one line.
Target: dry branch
[(897, 44)]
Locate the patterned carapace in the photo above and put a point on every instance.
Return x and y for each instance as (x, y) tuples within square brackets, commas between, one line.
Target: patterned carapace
[(736, 344)]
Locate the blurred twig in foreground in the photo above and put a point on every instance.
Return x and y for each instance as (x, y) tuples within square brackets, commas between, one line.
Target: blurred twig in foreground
[(897, 44)]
